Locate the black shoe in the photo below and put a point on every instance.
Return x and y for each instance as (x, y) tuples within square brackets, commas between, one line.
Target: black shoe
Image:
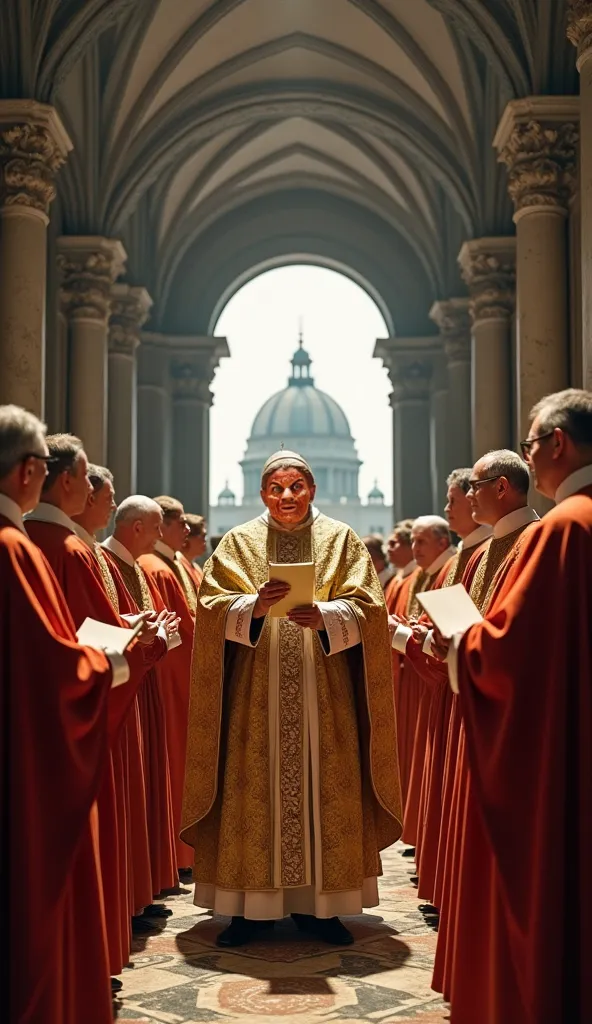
[(409, 852), (185, 874), (429, 910), (116, 986), (156, 910), (414, 879), (240, 931), (328, 929)]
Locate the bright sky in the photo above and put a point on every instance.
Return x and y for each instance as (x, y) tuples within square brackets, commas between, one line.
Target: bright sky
[(341, 324)]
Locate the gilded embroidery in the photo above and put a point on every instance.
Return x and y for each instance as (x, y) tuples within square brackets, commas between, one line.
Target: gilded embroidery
[(107, 577), (489, 567), (187, 584), (291, 713)]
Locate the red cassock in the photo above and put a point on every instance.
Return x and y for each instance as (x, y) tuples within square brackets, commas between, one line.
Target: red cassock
[(175, 673), (195, 572), (406, 700), (525, 680), (79, 575), (413, 680), (54, 755)]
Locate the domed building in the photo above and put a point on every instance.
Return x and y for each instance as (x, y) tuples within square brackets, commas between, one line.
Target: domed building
[(305, 419)]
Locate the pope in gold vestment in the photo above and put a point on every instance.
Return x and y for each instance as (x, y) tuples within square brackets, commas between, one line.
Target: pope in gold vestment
[(292, 783)]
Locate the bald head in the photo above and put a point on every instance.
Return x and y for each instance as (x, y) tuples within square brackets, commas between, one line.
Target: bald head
[(430, 538), (138, 524)]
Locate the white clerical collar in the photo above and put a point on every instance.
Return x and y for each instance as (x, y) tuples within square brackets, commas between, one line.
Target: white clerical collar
[(10, 510), (441, 560), (573, 483), (270, 521), (513, 521), (114, 545), (385, 575), (164, 549), (476, 537), (88, 539), (407, 570), (45, 513)]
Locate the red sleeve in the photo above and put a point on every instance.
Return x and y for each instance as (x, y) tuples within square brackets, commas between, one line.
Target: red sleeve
[(53, 752)]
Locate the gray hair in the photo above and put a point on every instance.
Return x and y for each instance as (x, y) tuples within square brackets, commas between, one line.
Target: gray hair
[(507, 463), (135, 507), (98, 476), (571, 411), (460, 478), (436, 524), (21, 433)]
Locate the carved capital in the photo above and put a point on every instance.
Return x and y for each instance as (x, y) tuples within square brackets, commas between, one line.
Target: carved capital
[(89, 266), (488, 266), (191, 382), (579, 28), (411, 380), (454, 321), (33, 147), (130, 309), (537, 140)]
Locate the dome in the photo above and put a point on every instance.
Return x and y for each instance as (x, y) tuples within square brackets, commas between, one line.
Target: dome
[(376, 496), (226, 496), (300, 412)]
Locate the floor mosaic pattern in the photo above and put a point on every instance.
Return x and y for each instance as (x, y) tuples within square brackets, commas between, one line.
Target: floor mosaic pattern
[(179, 976)]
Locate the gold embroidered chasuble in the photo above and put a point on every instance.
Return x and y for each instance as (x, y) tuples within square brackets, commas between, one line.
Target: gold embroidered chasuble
[(247, 791)]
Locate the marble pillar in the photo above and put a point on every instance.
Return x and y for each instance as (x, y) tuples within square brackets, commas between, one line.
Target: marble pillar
[(439, 457), (89, 268), (488, 268), (579, 31), (130, 308), (452, 318), (192, 400), (33, 146), (409, 362), (537, 140), (174, 399)]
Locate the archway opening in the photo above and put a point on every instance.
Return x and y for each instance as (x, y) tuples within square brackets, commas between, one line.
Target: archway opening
[(338, 322)]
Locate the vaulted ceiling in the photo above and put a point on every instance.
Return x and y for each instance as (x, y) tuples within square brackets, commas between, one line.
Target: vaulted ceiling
[(357, 131)]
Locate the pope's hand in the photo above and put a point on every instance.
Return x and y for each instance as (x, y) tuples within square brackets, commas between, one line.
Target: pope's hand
[(269, 594), (309, 617)]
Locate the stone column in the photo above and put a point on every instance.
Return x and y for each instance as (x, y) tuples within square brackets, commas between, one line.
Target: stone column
[(89, 267), (192, 399), (130, 308), (537, 140), (33, 146), (439, 457), (452, 317), (410, 365), (579, 31), (488, 267), (174, 398)]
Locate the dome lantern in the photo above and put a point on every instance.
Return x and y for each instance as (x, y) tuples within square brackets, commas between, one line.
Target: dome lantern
[(376, 496), (227, 496), (301, 364)]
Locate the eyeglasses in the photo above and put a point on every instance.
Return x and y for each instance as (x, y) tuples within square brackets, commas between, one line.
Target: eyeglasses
[(526, 445), (474, 485)]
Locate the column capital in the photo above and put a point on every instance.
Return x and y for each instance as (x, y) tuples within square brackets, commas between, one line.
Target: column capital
[(33, 146), (453, 319), (410, 365), (537, 139), (579, 29), (130, 309), (189, 385), (89, 266), (488, 267)]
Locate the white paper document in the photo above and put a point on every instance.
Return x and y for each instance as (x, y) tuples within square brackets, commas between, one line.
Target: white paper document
[(301, 577), (104, 637), (451, 609)]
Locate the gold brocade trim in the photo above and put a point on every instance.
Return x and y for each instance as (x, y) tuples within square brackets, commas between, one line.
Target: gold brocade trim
[(135, 581), (457, 569), (290, 547), (421, 582), (107, 577), (188, 585), (174, 565), (486, 575)]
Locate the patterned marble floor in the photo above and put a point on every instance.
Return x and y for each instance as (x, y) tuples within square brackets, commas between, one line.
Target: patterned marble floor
[(180, 977)]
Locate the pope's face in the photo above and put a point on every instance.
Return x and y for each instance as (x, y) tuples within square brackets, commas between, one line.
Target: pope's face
[(288, 495)]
